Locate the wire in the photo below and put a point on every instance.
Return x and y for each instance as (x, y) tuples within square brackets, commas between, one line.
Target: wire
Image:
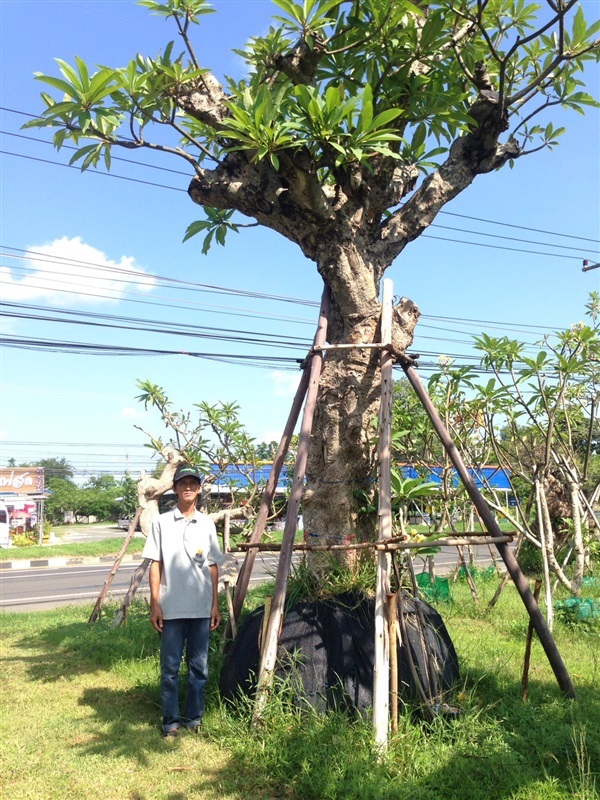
[(48, 345), (199, 331), (423, 235), (192, 285), (444, 212)]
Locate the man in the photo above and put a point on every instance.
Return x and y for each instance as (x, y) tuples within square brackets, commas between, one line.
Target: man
[(184, 607)]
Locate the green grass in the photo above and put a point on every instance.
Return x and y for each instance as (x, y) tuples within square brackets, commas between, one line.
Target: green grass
[(81, 720), (106, 547)]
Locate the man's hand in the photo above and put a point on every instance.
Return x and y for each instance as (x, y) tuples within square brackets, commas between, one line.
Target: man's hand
[(156, 617), (215, 617)]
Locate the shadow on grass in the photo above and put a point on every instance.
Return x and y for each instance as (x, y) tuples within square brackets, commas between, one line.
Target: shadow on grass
[(78, 648), (499, 748)]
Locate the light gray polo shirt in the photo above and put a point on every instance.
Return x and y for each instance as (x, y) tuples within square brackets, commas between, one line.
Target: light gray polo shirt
[(186, 547)]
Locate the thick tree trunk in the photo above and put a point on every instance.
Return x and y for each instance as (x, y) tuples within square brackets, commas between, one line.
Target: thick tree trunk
[(342, 463)]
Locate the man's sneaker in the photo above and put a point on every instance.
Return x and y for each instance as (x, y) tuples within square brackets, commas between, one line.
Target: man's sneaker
[(170, 732)]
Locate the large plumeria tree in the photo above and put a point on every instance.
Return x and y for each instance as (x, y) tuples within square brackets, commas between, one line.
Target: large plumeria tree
[(356, 123)]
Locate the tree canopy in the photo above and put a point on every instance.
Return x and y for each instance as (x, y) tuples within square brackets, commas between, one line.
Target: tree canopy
[(353, 127)]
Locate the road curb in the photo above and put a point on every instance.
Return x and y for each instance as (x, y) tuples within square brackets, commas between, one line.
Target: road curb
[(59, 561)]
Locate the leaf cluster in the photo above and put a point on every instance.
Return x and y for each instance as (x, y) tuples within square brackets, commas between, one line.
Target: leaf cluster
[(352, 86)]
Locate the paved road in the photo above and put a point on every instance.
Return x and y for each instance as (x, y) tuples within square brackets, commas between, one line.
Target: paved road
[(39, 588)]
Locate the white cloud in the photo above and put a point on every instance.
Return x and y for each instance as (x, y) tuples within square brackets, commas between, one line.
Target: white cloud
[(284, 383), (70, 272), (130, 412), (271, 436)]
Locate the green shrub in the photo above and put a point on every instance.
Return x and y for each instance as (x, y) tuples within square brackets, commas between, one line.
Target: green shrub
[(24, 539)]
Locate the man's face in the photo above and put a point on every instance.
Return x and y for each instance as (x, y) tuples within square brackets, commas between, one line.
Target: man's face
[(187, 489)]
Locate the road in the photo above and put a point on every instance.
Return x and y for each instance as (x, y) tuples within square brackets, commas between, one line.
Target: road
[(40, 588)]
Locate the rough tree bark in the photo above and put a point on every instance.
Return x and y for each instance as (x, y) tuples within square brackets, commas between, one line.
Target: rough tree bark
[(344, 229), (150, 489)]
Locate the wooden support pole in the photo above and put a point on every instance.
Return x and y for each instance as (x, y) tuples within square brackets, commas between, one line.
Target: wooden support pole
[(104, 591), (527, 659), (136, 580), (512, 566), (243, 581), (392, 604), (381, 670), (267, 665), (389, 545)]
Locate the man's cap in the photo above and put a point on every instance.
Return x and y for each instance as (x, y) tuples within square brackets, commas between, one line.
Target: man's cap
[(187, 471)]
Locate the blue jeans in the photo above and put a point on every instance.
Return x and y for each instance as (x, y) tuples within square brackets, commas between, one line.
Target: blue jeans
[(194, 635)]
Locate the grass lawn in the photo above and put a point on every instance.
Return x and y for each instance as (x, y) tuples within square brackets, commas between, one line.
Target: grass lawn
[(81, 721), (106, 547)]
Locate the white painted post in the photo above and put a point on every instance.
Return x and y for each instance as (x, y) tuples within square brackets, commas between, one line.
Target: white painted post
[(381, 672)]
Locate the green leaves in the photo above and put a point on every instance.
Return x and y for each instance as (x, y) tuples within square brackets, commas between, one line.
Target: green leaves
[(346, 124), (309, 17), (258, 122), (186, 9), (405, 489), (83, 110), (217, 223)]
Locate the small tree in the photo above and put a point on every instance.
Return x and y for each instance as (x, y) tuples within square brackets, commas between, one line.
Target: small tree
[(354, 126), (528, 418), (64, 499), (212, 438)]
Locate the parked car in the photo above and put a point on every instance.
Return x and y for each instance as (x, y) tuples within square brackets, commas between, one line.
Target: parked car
[(124, 522)]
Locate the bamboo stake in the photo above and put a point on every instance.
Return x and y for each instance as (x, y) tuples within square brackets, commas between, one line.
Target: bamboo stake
[(263, 627), (392, 604), (245, 573), (546, 566), (525, 679), (542, 630), (267, 666), (104, 591), (390, 545), (381, 670)]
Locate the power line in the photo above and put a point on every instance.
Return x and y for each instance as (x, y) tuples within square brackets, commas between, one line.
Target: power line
[(444, 212), (80, 348), (191, 285), (435, 225), (149, 326), (423, 235)]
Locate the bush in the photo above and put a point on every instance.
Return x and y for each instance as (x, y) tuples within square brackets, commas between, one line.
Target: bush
[(24, 539)]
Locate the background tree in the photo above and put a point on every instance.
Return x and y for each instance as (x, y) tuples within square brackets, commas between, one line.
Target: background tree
[(128, 499), (54, 468), (212, 438), (62, 500), (345, 107)]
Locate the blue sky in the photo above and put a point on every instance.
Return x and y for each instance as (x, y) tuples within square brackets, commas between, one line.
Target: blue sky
[(83, 407)]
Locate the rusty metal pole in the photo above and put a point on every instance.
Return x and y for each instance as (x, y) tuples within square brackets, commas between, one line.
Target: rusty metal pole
[(512, 566)]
